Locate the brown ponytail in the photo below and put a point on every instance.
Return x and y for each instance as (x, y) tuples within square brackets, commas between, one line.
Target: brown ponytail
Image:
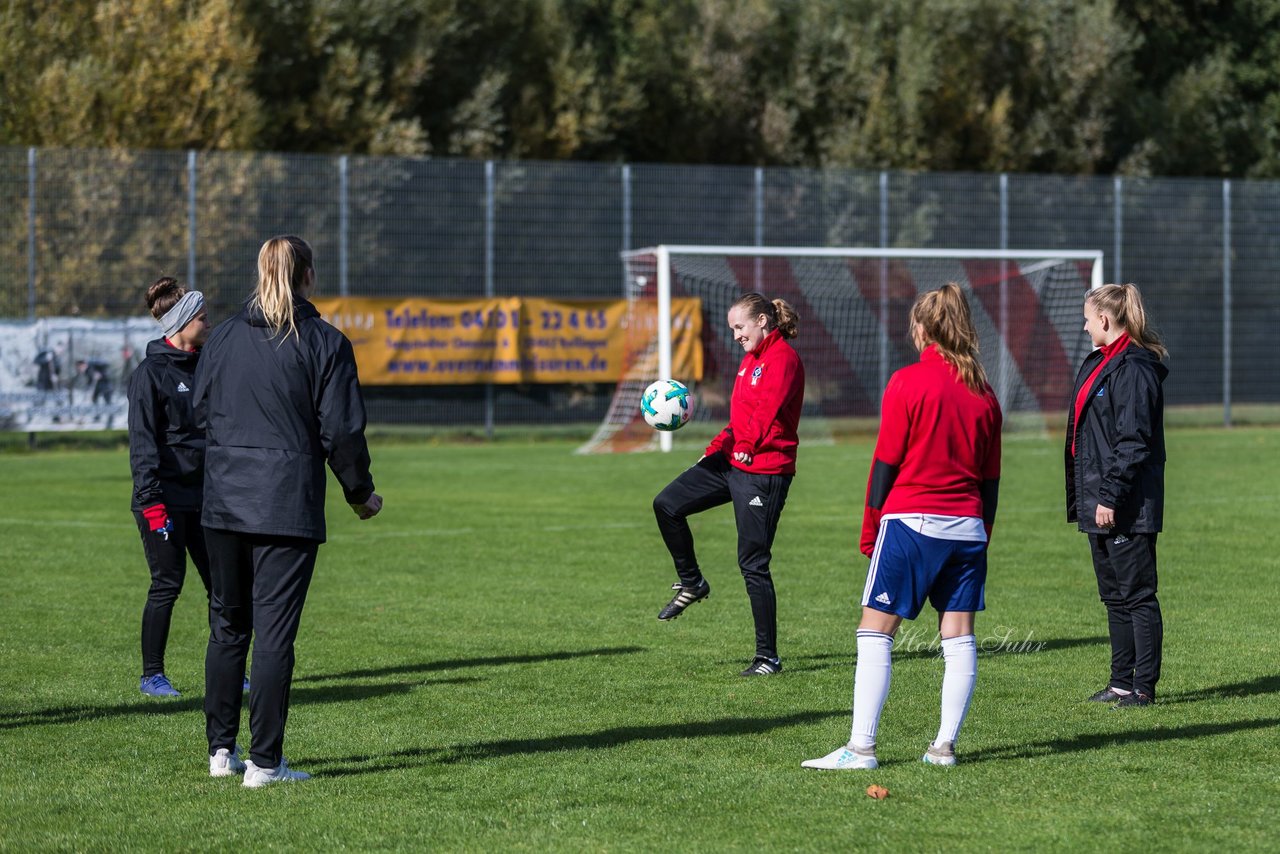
[(781, 315), (1124, 304), (283, 263), (946, 321), (162, 295)]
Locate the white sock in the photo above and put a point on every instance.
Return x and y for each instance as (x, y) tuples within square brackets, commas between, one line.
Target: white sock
[(961, 656), (870, 686)]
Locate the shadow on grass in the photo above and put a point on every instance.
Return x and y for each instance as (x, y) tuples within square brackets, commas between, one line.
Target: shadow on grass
[(307, 694), (458, 663), (1261, 685), (602, 740), (924, 649), (1095, 741), (298, 696)]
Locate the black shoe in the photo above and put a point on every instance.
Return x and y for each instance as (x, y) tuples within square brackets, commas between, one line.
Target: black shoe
[(763, 667), (1135, 699), (685, 596), (1107, 695)]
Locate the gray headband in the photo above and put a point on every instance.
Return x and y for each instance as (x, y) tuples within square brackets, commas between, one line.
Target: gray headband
[(183, 312)]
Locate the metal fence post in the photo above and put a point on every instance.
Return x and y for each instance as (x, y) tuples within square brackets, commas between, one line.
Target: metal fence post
[(1226, 303), (31, 233), (884, 288), (1118, 234), (626, 223), (489, 402), (191, 219), (344, 287), (759, 229), (1006, 362)]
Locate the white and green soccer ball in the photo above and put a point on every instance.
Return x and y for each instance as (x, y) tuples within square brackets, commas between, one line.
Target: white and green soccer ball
[(667, 405)]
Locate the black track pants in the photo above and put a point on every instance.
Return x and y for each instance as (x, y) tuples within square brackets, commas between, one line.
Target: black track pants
[(167, 560), (259, 587), (757, 500), (1126, 568)]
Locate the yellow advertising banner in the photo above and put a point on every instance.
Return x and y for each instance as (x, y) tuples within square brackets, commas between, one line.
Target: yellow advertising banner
[(510, 340)]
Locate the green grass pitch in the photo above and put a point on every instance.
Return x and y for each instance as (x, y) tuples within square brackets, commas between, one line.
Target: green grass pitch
[(480, 668)]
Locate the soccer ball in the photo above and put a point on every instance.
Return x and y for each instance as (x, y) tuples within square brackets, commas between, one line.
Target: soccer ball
[(667, 405)]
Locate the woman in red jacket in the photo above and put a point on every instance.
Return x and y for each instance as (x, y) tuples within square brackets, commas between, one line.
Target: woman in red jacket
[(750, 463), (931, 502)]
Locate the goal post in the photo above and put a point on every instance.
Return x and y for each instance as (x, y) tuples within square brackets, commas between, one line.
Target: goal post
[(853, 305)]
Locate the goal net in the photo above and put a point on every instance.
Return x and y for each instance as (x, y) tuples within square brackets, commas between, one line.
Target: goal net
[(853, 306)]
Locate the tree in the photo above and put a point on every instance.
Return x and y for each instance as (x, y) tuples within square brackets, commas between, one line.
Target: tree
[(126, 74), (1207, 103), (343, 76), (989, 85)]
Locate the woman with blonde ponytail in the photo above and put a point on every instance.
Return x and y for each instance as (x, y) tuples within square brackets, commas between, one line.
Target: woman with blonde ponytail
[(285, 267), (750, 463), (279, 397), (930, 507), (1115, 481)]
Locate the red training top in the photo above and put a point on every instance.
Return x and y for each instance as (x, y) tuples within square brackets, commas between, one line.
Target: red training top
[(943, 439), (765, 409)]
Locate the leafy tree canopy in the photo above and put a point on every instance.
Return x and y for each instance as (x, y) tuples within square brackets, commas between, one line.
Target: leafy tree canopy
[(1174, 87)]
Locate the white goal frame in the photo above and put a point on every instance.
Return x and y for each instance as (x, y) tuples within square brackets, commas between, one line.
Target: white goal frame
[(663, 253)]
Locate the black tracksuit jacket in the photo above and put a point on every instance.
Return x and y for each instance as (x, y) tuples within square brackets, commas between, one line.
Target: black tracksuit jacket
[(166, 448), (1119, 458), (276, 409)]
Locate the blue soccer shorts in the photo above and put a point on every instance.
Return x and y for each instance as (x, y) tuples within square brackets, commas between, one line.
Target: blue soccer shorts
[(908, 567)]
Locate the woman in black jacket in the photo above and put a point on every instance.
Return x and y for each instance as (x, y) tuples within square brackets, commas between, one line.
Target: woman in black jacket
[(278, 394), (1115, 482), (166, 453)]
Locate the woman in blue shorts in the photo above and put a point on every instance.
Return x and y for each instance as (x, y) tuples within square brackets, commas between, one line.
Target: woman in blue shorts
[(931, 502)]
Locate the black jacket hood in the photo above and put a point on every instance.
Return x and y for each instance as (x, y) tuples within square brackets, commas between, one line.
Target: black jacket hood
[(161, 347), (302, 310)]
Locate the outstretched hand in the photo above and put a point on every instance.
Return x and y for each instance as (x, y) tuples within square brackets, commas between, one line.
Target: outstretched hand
[(369, 508)]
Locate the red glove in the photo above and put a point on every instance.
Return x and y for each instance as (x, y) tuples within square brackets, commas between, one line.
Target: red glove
[(158, 519)]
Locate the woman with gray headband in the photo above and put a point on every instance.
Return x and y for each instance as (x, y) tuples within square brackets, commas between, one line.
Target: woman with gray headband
[(166, 453)]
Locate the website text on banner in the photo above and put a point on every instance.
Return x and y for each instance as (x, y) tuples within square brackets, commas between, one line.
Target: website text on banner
[(509, 340)]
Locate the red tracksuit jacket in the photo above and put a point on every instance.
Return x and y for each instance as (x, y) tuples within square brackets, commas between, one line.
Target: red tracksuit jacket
[(942, 439), (765, 409)]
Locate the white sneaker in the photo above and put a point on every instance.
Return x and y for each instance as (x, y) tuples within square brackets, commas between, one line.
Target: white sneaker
[(940, 754), (844, 759), (256, 778), (226, 763)]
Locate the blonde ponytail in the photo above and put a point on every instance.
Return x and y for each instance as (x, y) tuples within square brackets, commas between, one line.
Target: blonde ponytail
[(283, 263), (787, 319), (782, 316), (1124, 304), (946, 321)]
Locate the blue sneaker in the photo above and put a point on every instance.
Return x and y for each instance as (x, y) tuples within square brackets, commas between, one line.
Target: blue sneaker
[(158, 686), (245, 687)]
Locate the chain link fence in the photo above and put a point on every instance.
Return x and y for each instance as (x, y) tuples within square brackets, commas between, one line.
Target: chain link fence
[(82, 232)]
